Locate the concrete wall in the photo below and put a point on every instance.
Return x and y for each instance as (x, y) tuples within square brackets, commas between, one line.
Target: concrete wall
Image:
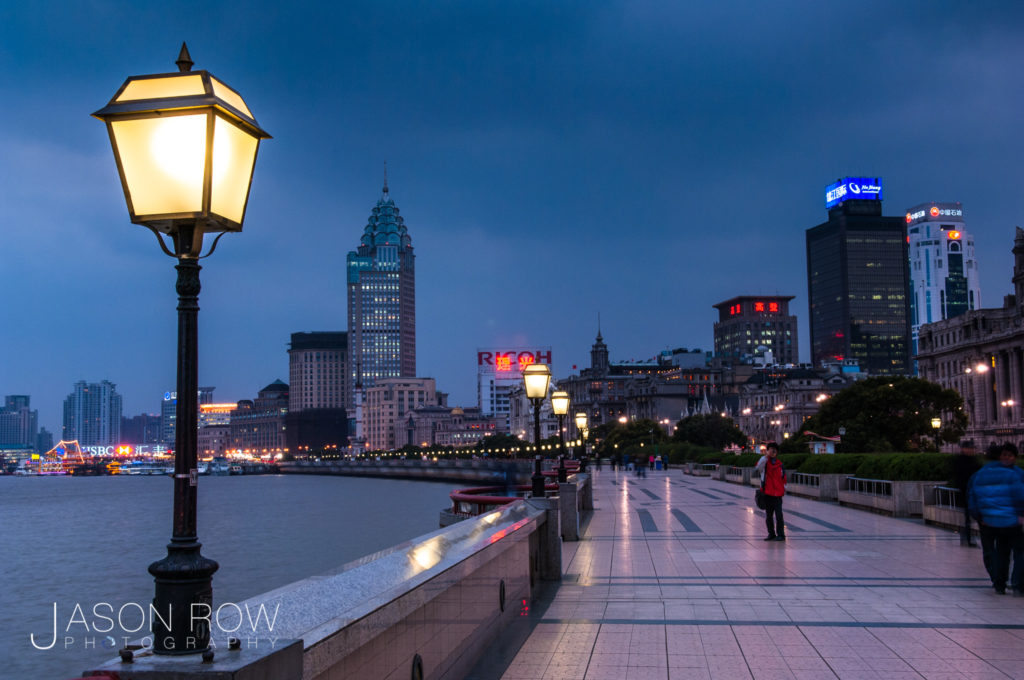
[(477, 470), (435, 602)]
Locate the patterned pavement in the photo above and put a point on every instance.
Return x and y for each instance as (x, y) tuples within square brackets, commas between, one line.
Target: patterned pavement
[(672, 580)]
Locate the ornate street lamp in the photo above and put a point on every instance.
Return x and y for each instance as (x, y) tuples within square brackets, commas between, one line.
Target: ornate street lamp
[(536, 378), (560, 406), (185, 145), (581, 427)]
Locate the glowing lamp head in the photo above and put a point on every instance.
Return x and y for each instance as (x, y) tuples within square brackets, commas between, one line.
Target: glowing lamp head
[(559, 403), (581, 421), (185, 145), (536, 378), (936, 423)]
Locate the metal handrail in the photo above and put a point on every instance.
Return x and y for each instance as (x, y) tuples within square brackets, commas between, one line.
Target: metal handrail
[(804, 479), (948, 497), (873, 487)]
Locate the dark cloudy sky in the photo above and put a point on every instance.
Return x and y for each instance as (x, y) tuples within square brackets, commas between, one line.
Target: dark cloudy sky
[(552, 160)]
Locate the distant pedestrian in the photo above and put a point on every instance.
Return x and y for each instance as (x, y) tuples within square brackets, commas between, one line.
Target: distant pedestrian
[(773, 484), (964, 465), (650, 462), (996, 499)]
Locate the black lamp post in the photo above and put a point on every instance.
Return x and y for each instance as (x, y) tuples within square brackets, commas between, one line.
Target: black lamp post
[(581, 428), (536, 378), (185, 145), (560, 406)]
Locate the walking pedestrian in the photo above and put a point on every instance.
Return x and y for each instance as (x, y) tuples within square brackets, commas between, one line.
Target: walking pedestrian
[(996, 500), (965, 464), (773, 484)]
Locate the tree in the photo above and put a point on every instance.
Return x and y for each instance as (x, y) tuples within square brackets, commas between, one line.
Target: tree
[(500, 441), (713, 430), (885, 414), (632, 435)]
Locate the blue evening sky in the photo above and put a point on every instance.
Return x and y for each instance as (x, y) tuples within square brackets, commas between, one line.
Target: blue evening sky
[(552, 160)]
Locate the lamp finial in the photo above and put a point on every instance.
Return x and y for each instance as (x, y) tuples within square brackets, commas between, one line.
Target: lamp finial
[(184, 59)]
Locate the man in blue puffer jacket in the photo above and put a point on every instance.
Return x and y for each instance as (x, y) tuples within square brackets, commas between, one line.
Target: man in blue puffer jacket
[(995, 498)]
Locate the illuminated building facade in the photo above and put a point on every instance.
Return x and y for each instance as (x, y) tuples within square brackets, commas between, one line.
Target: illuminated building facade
[(381, 301), (92, 414), (18, 423), (943, 268), (442, 426), (388, 406), (980, 354), (747, 323), (169, 413), (316, 370), (258, 426), (499, 371), (858, 281)]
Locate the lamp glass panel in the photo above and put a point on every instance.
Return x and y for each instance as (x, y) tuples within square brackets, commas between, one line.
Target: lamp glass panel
[(536, 378), (158, 88), (560, 403), (230, 96), (581, 421), (234, 153), (163, 162)]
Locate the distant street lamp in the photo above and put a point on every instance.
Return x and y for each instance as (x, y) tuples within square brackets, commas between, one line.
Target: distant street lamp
[(560, 406), (185, 145), (536, 378), (581, 426)]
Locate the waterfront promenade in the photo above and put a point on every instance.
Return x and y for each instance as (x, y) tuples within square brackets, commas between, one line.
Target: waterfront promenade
[(671, 579)]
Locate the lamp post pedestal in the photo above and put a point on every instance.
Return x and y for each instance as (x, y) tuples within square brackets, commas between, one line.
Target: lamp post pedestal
[(537, 480), (184, 579)]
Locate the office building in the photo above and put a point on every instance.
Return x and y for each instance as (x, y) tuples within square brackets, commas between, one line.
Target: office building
[(746, 324), (92, 414), (18, 423), (141, 429), (316, 370), (388, 405), (381, 301), (257, 426), (498, 372), (169, 412), (943, 268), (980, 354), (858, 281)]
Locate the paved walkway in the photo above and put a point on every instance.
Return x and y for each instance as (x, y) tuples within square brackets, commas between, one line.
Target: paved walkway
[(672, 580)]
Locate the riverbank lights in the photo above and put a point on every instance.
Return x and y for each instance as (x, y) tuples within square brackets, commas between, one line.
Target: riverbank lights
[(536, 378), (559, 403), (185, 145)]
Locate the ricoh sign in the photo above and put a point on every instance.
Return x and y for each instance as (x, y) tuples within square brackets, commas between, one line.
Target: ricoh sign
[(508, 364)]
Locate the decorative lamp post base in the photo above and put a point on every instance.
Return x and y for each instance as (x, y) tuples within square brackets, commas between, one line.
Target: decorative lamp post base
[(183, 603)]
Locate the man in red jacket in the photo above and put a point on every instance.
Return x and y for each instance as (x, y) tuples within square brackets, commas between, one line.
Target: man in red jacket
[(773, 483)]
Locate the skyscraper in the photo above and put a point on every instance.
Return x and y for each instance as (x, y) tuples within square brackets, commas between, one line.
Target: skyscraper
[(381, 301), (18, 423), (943, 269), (316, 370), (746, 323), (858, 281), (92, 414)]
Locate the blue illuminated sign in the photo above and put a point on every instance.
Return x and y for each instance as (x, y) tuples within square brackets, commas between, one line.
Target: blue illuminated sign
[(851, 188)]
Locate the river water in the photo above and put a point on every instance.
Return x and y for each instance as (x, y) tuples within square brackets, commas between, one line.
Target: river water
[(88, 540)]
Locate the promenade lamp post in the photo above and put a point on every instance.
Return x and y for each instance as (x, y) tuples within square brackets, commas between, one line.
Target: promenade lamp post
[(560, 407), (536, 378), (185, 146), (581, 427)]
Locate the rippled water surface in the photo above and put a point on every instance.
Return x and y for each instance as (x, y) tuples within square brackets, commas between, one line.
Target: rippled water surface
[(89, 540)]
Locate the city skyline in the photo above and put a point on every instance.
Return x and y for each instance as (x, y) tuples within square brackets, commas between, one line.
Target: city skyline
[(635, 160)]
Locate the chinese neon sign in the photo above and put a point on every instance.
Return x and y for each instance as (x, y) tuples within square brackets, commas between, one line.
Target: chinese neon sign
[(758, 306), (853, 187)]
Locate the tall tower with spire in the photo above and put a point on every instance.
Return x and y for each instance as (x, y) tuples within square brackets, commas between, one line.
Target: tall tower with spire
[(381, 300)]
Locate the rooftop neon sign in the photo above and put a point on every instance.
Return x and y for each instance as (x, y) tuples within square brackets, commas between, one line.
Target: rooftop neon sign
[(853, 188)]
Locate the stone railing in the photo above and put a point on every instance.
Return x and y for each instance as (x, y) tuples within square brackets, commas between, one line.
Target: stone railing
[(474, 470), (425, 608), (824, 487)]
